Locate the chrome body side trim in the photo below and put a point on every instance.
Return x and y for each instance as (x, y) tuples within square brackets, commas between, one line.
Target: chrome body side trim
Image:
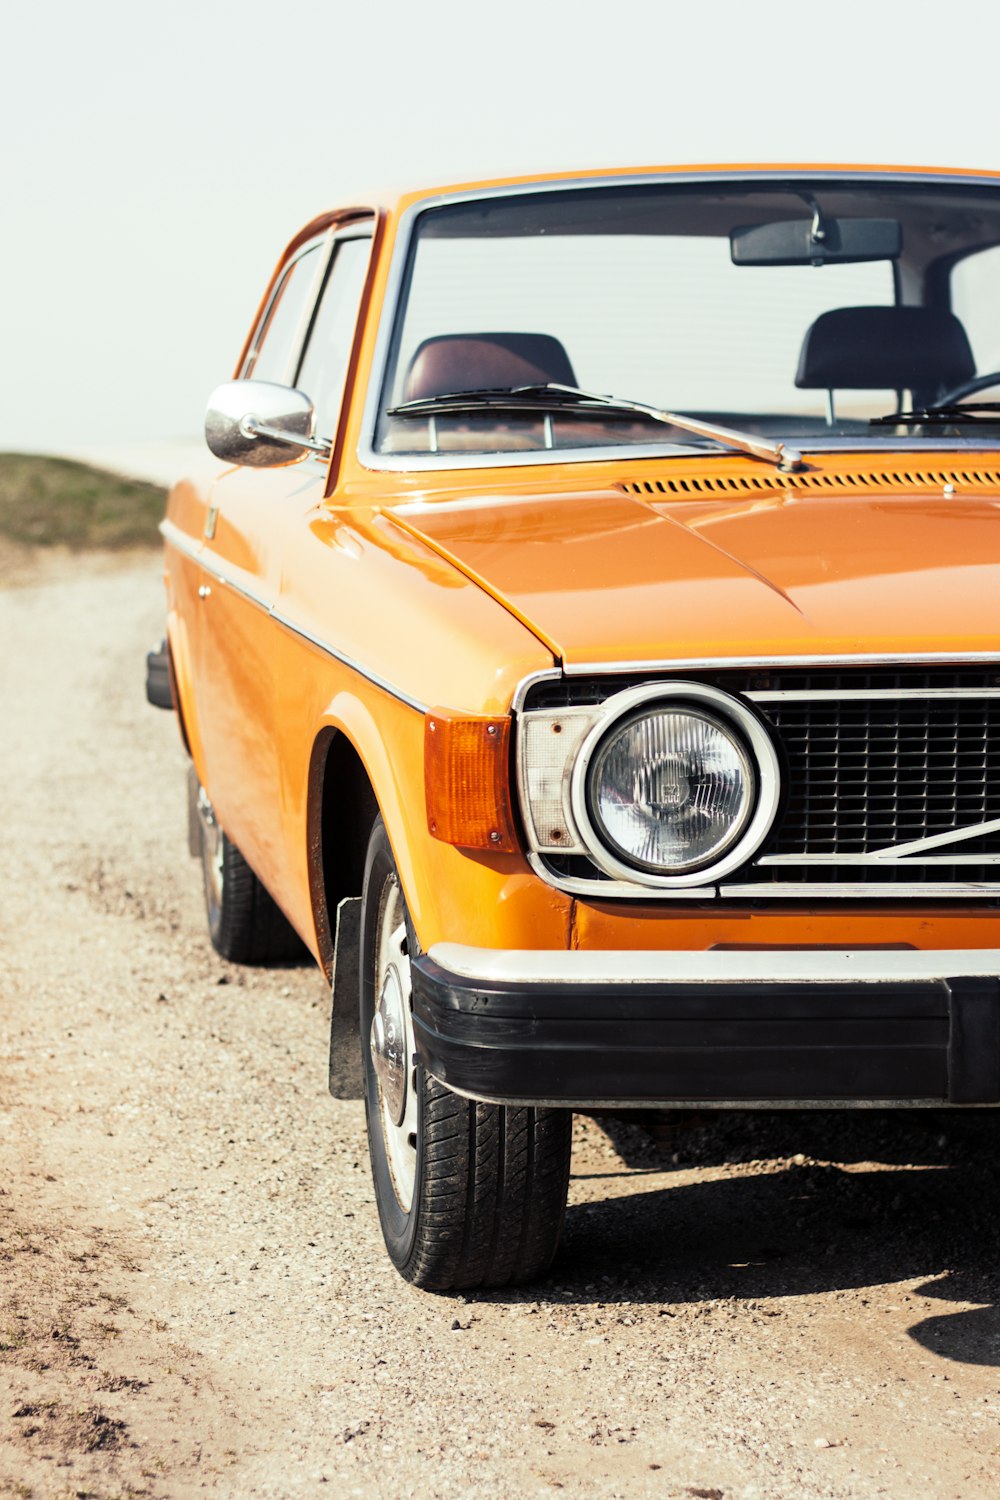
[(370, 459), (528, 966), (348, 661), (179, 540)]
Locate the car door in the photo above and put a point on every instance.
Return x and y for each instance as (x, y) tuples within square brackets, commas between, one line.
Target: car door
[(252, 516)]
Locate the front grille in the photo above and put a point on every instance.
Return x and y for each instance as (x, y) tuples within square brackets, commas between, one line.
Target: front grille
[(860, 775), (866, 774)]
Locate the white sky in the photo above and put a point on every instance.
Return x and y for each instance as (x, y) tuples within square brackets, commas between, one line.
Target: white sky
[(157, 158)]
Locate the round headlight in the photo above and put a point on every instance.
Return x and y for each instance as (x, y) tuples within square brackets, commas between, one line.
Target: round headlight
[(670, 789)]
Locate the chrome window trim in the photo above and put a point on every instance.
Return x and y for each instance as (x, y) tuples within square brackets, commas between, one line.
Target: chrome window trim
[(371, 459), (324, 243), (206, 560), (354, 229), (412, 463)]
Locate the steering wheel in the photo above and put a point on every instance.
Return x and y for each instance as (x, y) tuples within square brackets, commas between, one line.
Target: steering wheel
[(969, 388)]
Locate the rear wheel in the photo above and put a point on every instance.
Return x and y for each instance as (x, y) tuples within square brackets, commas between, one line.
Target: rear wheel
[(468, 1194), (244, 923)]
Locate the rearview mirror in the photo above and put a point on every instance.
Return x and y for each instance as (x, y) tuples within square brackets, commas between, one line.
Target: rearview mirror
[(816, 242), (257, 423)]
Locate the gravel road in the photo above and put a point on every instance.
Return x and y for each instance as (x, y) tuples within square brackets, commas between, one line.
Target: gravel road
[(194, 1293)]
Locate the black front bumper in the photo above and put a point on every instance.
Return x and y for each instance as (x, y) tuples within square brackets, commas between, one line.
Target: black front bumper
[(933, 1040)]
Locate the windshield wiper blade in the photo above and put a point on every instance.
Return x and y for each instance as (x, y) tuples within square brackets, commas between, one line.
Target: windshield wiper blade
[(570, 399), (950, 416)]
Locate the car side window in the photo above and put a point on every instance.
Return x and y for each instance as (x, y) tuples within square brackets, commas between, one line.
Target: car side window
[(276, 342), (323, 370), (975, 297)]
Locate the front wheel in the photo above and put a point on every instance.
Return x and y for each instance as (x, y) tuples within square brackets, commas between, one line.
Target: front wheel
[(469, 1194)]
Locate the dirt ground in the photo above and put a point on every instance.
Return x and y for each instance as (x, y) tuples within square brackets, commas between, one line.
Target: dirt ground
[(193, 1292)]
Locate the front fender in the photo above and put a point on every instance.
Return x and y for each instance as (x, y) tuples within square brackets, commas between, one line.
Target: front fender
[(447, 890)]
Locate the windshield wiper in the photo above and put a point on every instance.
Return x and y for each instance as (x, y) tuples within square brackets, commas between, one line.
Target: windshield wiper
[(570, 400), (947, 416)]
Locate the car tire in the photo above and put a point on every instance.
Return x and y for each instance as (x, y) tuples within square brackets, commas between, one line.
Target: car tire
[(468, 1194), (244, 923)]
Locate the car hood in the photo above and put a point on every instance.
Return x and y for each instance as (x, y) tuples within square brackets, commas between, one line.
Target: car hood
[(609, 576)]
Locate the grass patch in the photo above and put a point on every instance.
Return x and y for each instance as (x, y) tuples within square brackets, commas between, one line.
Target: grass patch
[(46, 502)]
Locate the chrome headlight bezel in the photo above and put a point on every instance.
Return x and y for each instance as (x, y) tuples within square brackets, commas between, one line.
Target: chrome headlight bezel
[(581, 731), (730, 713)]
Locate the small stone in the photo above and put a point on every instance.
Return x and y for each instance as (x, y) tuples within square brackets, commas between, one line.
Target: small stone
[(822, 1443), (798, 1159), (455, 1325)]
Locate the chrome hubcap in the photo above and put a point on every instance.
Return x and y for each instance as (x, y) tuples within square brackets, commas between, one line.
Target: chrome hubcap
[(387, 1044), (392, 1047)]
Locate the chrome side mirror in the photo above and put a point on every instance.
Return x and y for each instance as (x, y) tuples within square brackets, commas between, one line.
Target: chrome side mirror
[(255, 422)]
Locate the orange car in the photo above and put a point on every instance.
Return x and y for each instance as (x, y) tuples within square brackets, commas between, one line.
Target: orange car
[(592, 657)]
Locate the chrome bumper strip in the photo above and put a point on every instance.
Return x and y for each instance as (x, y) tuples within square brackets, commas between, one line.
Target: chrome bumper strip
[(525, 966)]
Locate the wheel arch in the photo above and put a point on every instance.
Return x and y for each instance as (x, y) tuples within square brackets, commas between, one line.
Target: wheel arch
[(342, 806)]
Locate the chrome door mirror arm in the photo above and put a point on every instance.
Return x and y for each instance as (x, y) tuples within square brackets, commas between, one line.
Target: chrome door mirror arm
[(252, 427)]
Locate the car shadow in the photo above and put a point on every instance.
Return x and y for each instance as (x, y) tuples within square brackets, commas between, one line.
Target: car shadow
[(809, 1203)]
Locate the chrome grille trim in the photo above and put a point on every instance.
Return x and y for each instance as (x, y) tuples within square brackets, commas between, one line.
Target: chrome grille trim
[(834, 660), (782, 890), (847, 695), (878, 860)]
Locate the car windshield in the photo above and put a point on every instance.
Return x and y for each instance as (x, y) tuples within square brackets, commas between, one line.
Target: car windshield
[(801, 309)]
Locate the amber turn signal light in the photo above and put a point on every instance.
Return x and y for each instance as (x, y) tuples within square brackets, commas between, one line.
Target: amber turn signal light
[(467, 782)]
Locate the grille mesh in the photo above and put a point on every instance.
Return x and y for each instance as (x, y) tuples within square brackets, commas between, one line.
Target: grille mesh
[(863, 775)]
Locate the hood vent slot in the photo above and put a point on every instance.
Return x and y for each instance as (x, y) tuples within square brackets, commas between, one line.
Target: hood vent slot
[(829, 483)]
